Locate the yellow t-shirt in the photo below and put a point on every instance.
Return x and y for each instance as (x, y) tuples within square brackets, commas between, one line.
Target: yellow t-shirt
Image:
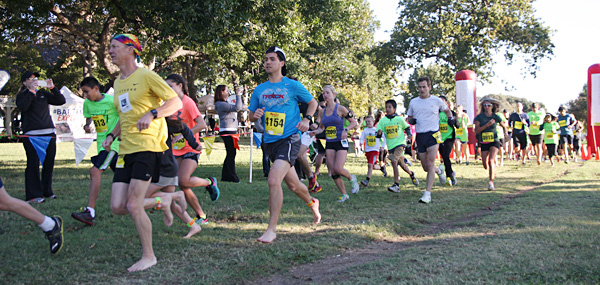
[(135, 96)]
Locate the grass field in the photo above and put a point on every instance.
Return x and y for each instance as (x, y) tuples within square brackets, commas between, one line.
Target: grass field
[(540, 226)]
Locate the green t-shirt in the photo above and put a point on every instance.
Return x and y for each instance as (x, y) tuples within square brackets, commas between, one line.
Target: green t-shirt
[(462, 133), (535, 121), (105, 117), (551, 131), (499, 129), (489, 134), (446, 130), (393, 130)]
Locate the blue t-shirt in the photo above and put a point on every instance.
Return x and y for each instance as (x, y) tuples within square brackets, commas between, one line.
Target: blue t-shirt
[(564, 122), (280, 101)]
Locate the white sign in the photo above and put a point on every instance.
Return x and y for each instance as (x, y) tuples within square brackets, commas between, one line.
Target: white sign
[(595, 98), (465, 95)]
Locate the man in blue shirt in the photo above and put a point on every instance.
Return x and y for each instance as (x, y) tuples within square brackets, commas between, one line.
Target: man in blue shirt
[(276, 103), (566, 122)]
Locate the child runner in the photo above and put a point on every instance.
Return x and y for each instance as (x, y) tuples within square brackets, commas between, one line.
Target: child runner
[(276, 102), (392, 127), (462, 135), (371, 144), (52, 226), (99, 108), (448, 136), (332, 122), (551, 129), (485, 127)]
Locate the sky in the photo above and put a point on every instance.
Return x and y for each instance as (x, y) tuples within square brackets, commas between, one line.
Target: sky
[(560, 78)]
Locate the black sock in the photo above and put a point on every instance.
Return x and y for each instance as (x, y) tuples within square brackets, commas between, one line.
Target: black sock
[(368, 178)]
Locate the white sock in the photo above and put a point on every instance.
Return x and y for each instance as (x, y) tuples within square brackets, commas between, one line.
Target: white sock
[(427, 192), (48, 224), (92, 211)]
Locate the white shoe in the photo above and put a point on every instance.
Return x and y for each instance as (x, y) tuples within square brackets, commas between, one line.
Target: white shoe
[(426, 198), (355, 186), (441, 174), (394, 188), (343, 198)]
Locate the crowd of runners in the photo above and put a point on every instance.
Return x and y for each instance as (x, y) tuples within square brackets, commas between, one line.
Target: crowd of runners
[(147, 133)]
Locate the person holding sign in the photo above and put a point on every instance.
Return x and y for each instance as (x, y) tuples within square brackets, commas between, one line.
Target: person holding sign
[(519, 123), (336, 138), (98, 108), (275, 102), (566, 123), (392, 128), (487, 134), (535, 132), (423, 112)]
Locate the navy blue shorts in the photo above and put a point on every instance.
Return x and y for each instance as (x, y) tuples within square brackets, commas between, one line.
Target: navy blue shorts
[(104, 159), (143, 165)]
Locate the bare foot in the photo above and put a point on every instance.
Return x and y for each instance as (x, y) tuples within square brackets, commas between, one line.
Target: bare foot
[(193, 230), (267, 237), (317, 173), (316, 213), (179, 197), (166, 208), (143, 264)]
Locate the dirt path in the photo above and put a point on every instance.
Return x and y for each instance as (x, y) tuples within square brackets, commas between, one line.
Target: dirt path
[(327, 270)]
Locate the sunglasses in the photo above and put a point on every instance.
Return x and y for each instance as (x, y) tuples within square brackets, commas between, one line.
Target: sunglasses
[(487, 105)]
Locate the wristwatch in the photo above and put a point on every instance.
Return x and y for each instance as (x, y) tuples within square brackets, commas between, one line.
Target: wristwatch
[(154, 113), (309, 117)]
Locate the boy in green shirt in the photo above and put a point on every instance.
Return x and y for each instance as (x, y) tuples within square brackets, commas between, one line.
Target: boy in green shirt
[(100, 109), (393, 127), (551, 129), (536, 119)]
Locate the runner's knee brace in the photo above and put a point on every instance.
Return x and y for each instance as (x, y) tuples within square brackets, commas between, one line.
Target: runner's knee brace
[(334, 177)]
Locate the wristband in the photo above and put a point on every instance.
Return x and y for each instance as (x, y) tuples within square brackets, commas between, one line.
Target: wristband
[(111, 134)]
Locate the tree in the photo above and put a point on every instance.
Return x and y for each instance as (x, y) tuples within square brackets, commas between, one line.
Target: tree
[(442, 81), (465, 34), (578, 107), (510, 102)]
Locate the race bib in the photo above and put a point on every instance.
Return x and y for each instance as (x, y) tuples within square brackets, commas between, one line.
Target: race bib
[(371, 140), (179, 144), (534, 124), (100, 123), (459, 131), (331, 133), (274, 123), (121, 161), (562, 123), (549, 135), (438, 137), (518, 125), (391, 132), (124, 103), (444, 128), (487, 137)]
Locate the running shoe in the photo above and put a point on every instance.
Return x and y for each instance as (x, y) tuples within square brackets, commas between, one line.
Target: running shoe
[(213, 190), (491, 186), (453, 178), (426, 198), (317, 188), (55, 235), (344, 198), (84, 216), (414, 179), (36, 200), (365, 183), (384, 171), (354, 182), (441, 174), (312, 182), (394, 188), (467, 163), (448, 181), (201, 220), (407, 162)]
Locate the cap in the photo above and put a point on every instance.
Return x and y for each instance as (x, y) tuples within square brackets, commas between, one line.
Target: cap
[(27, 75), (281, 56)]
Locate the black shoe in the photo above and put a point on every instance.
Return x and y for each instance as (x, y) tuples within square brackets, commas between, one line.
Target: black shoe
[(84, 216), (55, 235), (384, 171), (213, 190)]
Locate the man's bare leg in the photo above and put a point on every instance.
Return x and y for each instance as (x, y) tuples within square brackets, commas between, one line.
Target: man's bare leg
[(278, 171), (428, 163), (294, 184), (135, 206)]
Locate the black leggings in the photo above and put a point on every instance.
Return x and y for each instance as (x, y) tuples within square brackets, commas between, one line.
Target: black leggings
[(228, 172), (551, 150), (445, 150)]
